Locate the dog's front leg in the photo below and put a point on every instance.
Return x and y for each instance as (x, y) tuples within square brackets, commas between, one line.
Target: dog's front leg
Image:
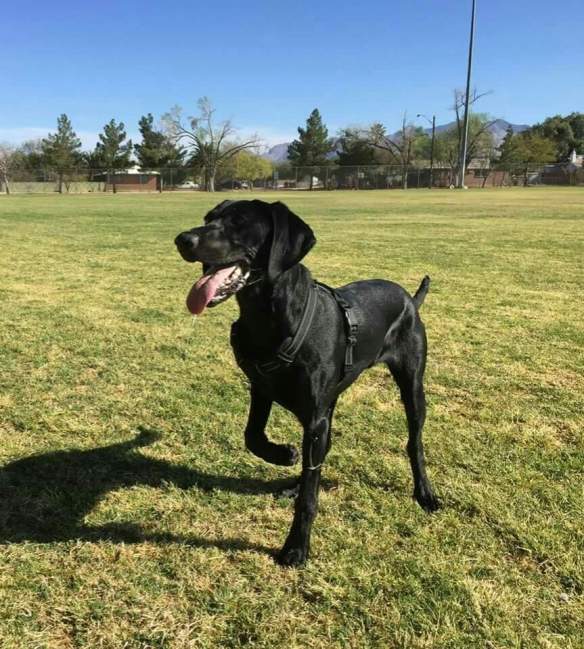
[(255, 433), (314, 449)]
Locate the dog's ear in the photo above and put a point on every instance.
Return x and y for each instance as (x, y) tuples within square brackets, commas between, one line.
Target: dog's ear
[(222, 205), (291, 240), (217, 210)]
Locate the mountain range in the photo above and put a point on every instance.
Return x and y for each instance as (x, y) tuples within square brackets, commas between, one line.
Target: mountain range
[(279, 152)]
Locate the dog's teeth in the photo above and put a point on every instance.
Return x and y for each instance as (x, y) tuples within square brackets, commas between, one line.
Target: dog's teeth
[(233, 283)]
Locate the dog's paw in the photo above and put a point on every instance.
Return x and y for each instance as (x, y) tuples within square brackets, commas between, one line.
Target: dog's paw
[(291, 557), (427, 500), (283, 455), (291, 455), (289, 492)]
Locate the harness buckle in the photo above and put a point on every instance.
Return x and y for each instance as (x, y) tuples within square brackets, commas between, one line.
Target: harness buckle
[(285, 357)]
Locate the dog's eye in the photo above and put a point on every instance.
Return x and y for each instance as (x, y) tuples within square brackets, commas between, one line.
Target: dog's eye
[(213, 225), (241, 219)]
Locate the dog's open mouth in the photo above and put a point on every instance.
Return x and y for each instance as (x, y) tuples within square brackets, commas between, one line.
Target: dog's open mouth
[(216, 285)]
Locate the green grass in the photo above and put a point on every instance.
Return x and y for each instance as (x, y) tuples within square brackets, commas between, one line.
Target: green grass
[(168, 545)]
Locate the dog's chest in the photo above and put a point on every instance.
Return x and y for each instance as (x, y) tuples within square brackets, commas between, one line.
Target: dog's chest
[(286, 385)]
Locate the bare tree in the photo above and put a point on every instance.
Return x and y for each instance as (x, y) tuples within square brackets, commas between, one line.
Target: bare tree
[(402, 146), (480, 140), (476, 137), (6, 162), (208, 141)]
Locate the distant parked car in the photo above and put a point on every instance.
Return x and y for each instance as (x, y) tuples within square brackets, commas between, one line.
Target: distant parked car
[(188, 184), (234, 184)]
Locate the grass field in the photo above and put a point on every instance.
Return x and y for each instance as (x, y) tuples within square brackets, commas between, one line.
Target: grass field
[(131, 515)]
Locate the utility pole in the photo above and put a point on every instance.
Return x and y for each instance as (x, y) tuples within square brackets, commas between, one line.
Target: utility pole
[(463, 148), (431, 183), (432, 152)]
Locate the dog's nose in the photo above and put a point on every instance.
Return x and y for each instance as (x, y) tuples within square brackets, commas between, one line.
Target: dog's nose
[(186, 240)]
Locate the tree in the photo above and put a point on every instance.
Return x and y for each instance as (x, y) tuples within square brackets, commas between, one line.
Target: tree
[(403, 146), (247, 167), (525, 149), (29, 155), (533, 148), (567, 133), (27, 160), (112, 148), (480, 140), (7, 160), (112, 152), (156, 149), (354, 148), (61, 150), (507, 147), (480, 145), (207, 141), (312, 146)]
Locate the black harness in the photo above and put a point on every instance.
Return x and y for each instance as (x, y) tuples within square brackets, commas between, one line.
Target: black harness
[(287, 351), (351, 324)]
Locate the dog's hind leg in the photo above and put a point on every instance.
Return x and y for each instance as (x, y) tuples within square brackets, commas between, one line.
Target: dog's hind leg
[(255, 433), (408, 371)]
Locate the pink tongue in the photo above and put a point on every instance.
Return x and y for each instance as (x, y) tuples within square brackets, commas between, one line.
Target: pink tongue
[(205, 288)]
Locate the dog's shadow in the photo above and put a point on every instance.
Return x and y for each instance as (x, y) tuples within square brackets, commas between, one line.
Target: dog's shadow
[(45, 498)]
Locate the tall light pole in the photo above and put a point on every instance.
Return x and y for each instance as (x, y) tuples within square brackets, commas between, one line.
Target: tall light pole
[(433, 122), (463, 147)]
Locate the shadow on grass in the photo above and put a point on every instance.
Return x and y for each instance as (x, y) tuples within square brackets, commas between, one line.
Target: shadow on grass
[(45, 498)]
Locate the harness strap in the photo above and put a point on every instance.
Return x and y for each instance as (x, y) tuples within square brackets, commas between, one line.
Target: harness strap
[(352, 326), (352, 330), (287, 351)]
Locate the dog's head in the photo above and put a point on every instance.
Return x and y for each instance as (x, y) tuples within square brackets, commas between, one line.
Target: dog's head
[(238, 238)]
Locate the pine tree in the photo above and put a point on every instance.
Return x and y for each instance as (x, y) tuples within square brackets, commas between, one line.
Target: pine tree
[(312, 145), (112, 152), (508, 149), (354, 148), (61, 149), (156, 149)]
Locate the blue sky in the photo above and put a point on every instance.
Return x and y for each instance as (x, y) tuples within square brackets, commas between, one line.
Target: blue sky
[(266, 65)]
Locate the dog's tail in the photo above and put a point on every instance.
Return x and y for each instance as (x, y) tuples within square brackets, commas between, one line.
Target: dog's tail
[(422, 291)]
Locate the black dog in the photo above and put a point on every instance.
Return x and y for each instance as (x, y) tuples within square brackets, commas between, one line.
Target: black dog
[(301, 344)]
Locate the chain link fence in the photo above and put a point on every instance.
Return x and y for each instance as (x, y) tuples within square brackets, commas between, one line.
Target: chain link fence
[(418, 177), (285, 177)]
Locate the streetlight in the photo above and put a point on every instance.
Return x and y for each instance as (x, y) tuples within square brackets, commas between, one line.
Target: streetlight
[(433, 122), (462, 158)]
